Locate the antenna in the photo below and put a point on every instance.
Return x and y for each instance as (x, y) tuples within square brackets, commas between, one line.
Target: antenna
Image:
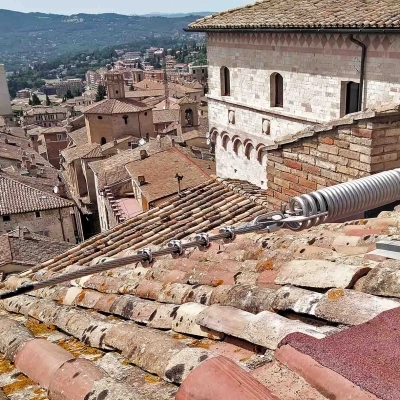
[(166, 89)]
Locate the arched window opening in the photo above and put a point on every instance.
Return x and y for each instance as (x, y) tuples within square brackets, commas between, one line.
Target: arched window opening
[(276, 90), (103, 141), (236, 146), (125, 118), (352, 93), (189, 116), (249, 149), (225, 82), (225, 141)]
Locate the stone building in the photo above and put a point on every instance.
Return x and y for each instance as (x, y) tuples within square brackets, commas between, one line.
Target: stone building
[(54, 140), (5, 105), (21, 249), (275, 69), (46, 116), (37, 210), (117, 116)]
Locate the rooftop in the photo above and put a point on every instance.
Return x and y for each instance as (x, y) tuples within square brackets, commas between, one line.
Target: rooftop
[(87, 150), (254, 307), (26, 248), (165, 116), (160, 172), (305, 14), (116, 106), (36, 110), (79, 136), (17, 197), (111, 170)]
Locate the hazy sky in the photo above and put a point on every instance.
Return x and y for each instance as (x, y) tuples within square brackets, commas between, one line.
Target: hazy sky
[(121, 7)]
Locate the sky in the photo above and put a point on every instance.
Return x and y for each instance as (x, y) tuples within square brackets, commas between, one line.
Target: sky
[(123, 6)]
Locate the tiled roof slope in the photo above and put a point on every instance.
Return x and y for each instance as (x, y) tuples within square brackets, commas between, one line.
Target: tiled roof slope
[(229, 308), (160, 172), (87, 150), (18, 249), (16, 197), (305, 14), (79, 137), (116, 106), (204, 207), (112, 169)]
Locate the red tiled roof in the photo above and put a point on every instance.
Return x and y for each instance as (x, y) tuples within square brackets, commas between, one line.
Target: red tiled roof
[(180, 320), (116, 106), (15, 248), (16, 197), (160, 172), (306, 14)]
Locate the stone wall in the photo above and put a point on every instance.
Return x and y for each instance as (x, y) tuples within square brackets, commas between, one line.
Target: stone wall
[(5, 105), (49, 222), (331, 156), (113, 126), (315, 70)]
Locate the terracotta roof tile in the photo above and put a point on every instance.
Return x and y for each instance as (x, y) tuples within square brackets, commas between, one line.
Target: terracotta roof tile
[(307, 14), (16, 197), (87, 150), (166, 116), (116, 106), (25, 248), (79, 137), (170, 325), (160, 171)]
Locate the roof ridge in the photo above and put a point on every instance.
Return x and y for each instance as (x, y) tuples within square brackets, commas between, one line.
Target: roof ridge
[(232, 186)]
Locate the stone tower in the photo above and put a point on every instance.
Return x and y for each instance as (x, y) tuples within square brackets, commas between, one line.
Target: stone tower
[(5, 106), (115, 85), (189, 113)]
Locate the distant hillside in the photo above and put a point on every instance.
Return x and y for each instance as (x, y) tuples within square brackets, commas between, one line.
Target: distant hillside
[(38, 36), (180, 15)]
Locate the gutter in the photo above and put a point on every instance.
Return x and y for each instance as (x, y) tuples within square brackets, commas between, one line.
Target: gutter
[(362, 69), (297, 30)]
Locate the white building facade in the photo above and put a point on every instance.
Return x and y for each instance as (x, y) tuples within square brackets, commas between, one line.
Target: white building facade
[(266, 83), (5, 105)]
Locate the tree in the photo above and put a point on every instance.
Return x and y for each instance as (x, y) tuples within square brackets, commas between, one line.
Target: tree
[(101, 93), (69, 95), (35, 100), (48, 102), (139, 65), (30, 102)]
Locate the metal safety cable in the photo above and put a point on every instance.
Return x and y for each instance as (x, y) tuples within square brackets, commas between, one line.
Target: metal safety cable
[(303, 212)]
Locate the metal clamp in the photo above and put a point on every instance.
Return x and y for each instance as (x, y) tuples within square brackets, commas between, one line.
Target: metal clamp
[(272, 221), (203, 237), (231, 231), (149, 256), (178, 244)]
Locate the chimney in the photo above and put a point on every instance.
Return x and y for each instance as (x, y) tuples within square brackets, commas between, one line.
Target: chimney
[(143, 154), (26, 234), (60, 189), (141, 180), (35, 143)]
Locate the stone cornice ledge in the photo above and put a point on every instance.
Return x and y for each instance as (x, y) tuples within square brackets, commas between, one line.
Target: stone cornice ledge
[(267, 111)]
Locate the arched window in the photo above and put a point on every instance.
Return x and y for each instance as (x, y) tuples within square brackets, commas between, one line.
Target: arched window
[(276, 90), (125, 118), (352, 93), (225, 82), (103, 141), (225, 141), (189, 116)]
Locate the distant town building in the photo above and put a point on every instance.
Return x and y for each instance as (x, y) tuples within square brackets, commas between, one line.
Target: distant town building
[(54, 140), (74, 85), (44, 116), (39, 211), (24, 94), (200, 72), (118, 115)]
